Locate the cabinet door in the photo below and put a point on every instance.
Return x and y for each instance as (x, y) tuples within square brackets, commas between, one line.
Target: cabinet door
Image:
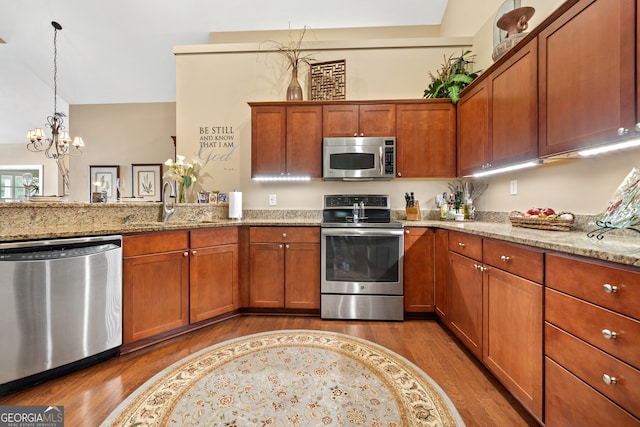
[(587, 75), (304, 141), (426, 140), (266, 275), (377, 120), (465, 301), (213, 281), (441, 272), (473, 129), (513, 324), (156, 294), (514, 108), (302, 275), (268, 137), (340, 120), (418, 269)]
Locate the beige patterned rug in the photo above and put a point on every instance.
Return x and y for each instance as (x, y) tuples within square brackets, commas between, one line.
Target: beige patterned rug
[(289, 378)]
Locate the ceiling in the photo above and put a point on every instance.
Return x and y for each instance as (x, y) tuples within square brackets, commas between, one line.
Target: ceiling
[(121, 51)]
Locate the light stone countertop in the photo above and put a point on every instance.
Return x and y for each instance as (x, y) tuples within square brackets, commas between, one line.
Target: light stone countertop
[(33, 221)]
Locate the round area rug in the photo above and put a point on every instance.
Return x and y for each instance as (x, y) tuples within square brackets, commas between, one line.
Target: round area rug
[(289, 378)]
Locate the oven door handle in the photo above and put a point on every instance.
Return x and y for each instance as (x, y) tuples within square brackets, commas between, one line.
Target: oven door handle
[(361, 232)]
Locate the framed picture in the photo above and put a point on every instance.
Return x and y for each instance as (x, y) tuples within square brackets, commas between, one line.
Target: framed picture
[(147, 181), (103, 178), (213, 197)]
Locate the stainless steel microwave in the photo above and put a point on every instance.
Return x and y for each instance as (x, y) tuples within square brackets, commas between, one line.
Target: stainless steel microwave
[(359, 158)]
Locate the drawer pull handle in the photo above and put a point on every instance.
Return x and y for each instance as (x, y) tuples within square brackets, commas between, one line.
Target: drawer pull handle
[(610, 289), (462, 245), (610, 335), (505, 258), (609, 380)]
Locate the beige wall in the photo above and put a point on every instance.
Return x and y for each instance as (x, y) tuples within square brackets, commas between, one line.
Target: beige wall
[(120, 134)]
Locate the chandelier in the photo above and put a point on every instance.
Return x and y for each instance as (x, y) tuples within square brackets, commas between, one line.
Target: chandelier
[(60, 144)]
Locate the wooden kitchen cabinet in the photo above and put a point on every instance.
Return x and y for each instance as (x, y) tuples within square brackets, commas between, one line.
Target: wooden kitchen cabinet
[(441, 272), (592, 319), (419, 275), (582, 104), (513, 320), (426, 139), (473, 128), (348, 120), (464, 305), (155, 284), (513, 94), (286, 140), (284, 267), (213, 273)]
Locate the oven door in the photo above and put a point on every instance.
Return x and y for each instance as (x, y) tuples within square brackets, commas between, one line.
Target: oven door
[(362, 261)]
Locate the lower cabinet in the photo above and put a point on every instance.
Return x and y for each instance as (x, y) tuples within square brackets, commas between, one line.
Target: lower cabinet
[(156, 284), (213, 273), (419, 269), (441, 272), (495, 308), (284, 267), (172, 279)]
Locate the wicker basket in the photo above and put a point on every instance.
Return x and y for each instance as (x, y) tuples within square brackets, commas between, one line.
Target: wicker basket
[(518, 219)]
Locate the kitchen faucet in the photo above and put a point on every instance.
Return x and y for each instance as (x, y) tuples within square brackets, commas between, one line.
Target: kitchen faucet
[(168, 210)]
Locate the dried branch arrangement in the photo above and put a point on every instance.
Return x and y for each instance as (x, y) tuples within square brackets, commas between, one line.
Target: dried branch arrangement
[(292, 52)]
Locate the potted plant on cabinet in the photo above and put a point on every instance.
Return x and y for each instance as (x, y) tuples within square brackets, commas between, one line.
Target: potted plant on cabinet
[(451, 78)]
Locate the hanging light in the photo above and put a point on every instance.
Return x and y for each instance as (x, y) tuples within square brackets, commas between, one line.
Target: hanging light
[(60, 144)]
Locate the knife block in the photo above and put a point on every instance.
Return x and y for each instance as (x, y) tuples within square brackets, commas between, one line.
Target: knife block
[(413, 212)]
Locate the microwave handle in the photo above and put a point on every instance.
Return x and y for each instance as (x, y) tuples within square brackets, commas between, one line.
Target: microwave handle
[(381, 161)]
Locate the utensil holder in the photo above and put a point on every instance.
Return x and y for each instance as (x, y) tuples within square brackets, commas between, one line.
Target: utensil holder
[(413, 212)]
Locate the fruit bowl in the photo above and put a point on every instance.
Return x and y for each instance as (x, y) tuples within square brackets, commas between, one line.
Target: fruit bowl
[(555, 222)]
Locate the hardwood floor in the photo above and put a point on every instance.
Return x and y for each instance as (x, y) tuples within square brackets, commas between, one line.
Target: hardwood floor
[(89, 395)]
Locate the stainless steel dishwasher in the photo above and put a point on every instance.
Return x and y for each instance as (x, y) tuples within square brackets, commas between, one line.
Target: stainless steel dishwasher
[(60, 306)]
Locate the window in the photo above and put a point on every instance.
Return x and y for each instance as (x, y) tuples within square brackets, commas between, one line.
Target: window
[(11, 187)]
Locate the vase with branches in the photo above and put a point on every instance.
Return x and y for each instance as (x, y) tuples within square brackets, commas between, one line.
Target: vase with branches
[(295, 57)]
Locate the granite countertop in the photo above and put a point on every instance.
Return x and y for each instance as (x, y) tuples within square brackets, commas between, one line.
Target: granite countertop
[(24, 222)]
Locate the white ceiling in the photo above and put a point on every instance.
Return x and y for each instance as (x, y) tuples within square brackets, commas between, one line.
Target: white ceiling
[(121, 51)]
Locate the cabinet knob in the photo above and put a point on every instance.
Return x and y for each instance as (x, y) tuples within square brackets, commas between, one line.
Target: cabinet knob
[(280, 246), (462, 245), (479, 267), (622, 131), (399, 173), (361, 133), (355, 134), (407, 231), (284, 235), (610, 335), (286, 246), (504, 258), (186, 253), (609, 380), (610, 289), (194, 252)]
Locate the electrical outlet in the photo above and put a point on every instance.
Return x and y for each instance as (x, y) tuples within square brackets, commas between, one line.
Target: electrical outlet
[(273, 201), (513, 187)]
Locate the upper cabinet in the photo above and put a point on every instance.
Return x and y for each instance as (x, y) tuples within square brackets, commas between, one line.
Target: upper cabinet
[(286, 140), (498, 116), (426, 139), (587, 76), (348, 120)]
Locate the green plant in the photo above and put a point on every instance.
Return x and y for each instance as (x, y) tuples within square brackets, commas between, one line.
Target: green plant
[(451, 78)]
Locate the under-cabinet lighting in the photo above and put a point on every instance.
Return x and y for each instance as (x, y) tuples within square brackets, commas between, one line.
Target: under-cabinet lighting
[(610, 147), (508, 168), (276, 178)]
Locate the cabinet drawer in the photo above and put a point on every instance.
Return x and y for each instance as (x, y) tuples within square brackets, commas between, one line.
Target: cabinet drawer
[(587, 279), (284, 234), (589, 322), (150, 243), (570, 402), (466, 244), (590, 364), (516, 259), (214, 237)]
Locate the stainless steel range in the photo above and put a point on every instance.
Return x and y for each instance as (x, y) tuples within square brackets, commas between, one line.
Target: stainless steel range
[(362, 253)]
